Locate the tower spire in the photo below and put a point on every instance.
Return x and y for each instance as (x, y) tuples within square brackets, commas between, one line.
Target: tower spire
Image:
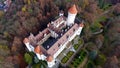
[(73, 10)]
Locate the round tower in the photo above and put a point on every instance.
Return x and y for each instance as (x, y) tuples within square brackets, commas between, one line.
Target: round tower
[(72, 12), (26, 42), (39, 53), (50, 61)]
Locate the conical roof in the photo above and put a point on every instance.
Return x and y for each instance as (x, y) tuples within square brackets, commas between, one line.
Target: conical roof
[(73, 9), (38, 50), (81, 25), (26, 40), (49, 58)]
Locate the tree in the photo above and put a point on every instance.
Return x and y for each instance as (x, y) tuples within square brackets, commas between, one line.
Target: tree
[(1, 14), (28, 58), (83, 3), (40, 64), (16, 46), (32, 60), (112, 62), (100, 60), (117, 9), (90, 46), (93, 54)]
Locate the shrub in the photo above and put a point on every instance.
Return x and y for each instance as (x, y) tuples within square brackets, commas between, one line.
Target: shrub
[(28, 58), (90, 64), (64, 60), (100, 60), (69, 54), (79, 58), (80, 41), (76, 46)]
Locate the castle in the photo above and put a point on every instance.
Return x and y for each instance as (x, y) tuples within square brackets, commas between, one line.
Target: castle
[(49, 43)]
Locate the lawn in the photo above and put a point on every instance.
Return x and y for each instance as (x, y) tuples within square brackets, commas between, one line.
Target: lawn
[(90, 64), (79, 58), (76, 46), (64, 60), (70, 53), (80, 42), (67, 57)]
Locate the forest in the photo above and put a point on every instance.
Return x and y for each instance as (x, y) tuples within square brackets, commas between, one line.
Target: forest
[(101, 31)]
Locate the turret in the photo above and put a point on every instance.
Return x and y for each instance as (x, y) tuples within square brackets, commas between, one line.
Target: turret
[(50, 61), (39, 53), (72, 12), (26, 42)]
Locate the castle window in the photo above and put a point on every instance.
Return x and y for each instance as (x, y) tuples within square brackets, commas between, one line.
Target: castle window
[(67, 36), (58, 44), (74, 30)]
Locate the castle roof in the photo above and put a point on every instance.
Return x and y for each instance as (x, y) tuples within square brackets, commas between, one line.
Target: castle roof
[(81, 25), (38, 50), (73, 9), (49, 58), (26, 40), (40, 36), (62, 40)]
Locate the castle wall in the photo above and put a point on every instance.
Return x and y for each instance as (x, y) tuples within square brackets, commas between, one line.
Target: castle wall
[(70, 19), (44, 39), (77, 32)]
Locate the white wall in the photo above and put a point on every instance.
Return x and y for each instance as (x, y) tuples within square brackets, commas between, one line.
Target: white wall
[(51, 64), (28, 46), (70, 19), (70, 39)]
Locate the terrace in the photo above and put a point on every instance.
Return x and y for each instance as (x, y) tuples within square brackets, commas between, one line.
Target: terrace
[(68, 54), (79, 58)]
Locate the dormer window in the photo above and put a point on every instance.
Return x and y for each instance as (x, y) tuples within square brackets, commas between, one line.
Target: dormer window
[(74, 30), (67, 36), (58, 44)]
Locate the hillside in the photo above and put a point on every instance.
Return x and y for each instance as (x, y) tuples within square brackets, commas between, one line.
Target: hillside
[(31, 16)]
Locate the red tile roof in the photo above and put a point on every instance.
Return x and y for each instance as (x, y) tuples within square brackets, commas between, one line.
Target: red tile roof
[(62, 40), (40, 36), (81, 25), (38, 50), (57, 30), (73, 9), (49, 58)]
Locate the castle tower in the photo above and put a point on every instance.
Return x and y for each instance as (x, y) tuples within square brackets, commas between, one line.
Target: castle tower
[(39, 53), (26, 42), (50, 61), (72, 12)]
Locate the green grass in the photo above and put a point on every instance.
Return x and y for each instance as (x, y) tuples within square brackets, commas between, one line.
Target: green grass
[(64, 60), (69, 54), (76, 46), (80, 42), (67, 57), (96, 26), (79, 58), (90, 64)]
